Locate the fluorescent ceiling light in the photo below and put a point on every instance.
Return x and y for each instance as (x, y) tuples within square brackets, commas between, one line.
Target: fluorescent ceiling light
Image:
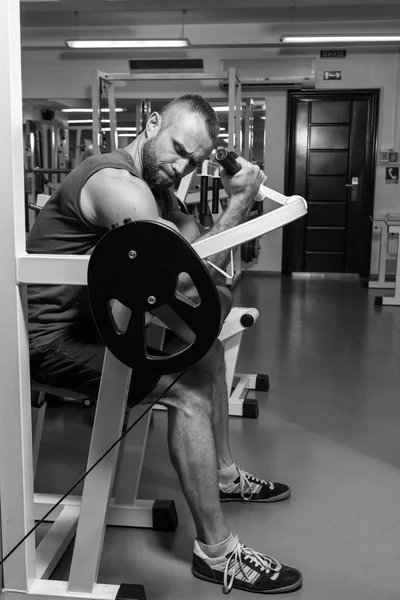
[(127, 134), (119, 128), (221, 108), (79, 121), (304, 39), (85, 44), (88, 110), (83, 121), (223, 135)]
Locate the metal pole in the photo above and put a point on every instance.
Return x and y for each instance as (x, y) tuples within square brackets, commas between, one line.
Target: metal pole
[(238, 121), (16, 463), (113, 116), (96, 82), (248, 129), (231, 113)]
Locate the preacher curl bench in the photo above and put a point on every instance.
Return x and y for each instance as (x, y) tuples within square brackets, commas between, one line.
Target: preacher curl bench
[(123, 320)]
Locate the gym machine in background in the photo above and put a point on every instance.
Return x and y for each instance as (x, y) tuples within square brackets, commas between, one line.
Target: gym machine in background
[(103, 96), (51, 150), (389, 227), (46, 161)]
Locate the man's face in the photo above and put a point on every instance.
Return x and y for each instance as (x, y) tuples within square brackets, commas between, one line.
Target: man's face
[(172, 153)]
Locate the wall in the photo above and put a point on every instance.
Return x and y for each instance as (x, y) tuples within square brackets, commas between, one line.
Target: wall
[(50, 73), (270, 256), (359, 70), (31, 112)]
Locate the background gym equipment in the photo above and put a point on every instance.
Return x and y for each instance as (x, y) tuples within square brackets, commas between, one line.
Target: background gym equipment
[(103, 95), (393, 229), (46, 157), (388, 248)]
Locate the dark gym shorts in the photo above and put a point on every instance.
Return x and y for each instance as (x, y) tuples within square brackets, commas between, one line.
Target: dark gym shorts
[(74, 362)]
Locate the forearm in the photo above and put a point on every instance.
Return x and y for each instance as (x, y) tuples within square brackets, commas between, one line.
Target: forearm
[(241, 189), (236, 213)]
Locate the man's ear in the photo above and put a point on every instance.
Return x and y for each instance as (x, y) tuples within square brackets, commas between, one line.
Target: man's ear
[(153, 125)]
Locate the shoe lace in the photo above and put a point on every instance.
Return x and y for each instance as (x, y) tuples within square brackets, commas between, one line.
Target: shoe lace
[(245, 481), (240, 553)]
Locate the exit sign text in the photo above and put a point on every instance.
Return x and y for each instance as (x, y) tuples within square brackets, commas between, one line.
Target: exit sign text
[(333, 54)]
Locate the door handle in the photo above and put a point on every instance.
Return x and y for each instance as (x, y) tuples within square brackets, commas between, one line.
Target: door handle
[(354, 189)]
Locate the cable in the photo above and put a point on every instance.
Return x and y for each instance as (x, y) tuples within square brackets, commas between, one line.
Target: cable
[(117, 441)]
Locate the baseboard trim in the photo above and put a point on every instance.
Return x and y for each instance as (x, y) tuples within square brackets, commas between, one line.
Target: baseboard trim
[(353, 276), (262, 273)]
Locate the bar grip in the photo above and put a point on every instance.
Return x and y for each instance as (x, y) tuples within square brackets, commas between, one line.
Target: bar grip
[(203, 195), (215, 196), (204, 188), (227, 160)]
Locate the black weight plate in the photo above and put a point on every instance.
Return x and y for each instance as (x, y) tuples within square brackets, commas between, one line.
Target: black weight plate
[(161, 256)]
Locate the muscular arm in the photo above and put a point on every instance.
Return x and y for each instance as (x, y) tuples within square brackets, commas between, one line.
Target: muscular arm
[(112, 195)]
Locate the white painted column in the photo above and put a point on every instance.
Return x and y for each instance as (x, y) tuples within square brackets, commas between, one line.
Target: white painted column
[(96, 112), (16, 486), (231, 113), (113, 115)]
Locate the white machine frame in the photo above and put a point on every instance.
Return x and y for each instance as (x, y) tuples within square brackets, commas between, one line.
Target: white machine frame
[(392, 300), (382, 225), (25, 570)]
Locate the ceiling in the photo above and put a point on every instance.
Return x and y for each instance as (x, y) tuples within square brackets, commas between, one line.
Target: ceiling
[(227, 23), (92, 13)]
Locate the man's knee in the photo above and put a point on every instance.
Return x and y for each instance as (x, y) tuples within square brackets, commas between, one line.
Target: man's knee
[(195, 390), (213, 363), (190, 398)]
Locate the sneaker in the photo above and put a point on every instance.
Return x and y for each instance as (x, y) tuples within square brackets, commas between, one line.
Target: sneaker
[(244, 569), (248, 488)]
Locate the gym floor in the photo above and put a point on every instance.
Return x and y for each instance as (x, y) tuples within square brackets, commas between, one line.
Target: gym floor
[(329, 427)]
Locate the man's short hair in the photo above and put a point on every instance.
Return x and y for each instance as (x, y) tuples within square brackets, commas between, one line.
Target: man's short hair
[(195, 104)]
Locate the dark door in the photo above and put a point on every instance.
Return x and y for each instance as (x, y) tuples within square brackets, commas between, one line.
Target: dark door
[(331, 155)]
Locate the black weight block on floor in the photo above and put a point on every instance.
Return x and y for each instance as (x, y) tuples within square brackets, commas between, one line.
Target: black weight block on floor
[(250, 408), (262, 383), (130, 591), (165, 517)]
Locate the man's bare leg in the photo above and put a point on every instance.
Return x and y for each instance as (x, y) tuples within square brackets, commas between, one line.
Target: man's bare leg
[(218, 555), (220, 400), (221, 421), (192, 445)]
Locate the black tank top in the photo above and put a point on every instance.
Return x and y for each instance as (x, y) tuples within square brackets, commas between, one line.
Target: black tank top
[(61, 228)]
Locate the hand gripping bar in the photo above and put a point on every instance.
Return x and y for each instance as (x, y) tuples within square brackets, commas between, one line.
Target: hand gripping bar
[(292, 208), (228, 160)]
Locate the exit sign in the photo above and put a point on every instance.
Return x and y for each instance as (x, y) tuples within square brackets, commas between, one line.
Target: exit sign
[(332, 75), (333, 53)]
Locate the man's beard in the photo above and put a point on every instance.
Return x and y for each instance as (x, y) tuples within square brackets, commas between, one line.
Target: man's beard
[(152, 173)]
